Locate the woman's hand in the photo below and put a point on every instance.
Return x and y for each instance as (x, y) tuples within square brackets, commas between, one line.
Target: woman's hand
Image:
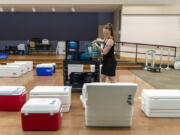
[(100, 40), (94, 45)]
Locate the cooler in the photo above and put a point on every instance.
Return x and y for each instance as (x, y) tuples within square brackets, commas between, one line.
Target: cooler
[(22, 66), (44, 70), (29, 64), (10, 71), (161, 102), (61, 92), (54, 66), (12, 98), (41, 114), (109, 104)]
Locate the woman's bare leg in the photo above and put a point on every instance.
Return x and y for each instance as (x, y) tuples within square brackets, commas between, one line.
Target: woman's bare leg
[(112, 79), (103, 78)]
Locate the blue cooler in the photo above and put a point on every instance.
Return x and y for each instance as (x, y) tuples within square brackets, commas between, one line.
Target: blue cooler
[(84, 56), (3, 55), (54, 66), (44, 70)]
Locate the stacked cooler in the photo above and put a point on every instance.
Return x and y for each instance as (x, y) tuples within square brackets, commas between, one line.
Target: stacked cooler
[(109, 104), (63, 93), (72, 50), (29, 64), (161, 102), (12, 98), (10, 71), (41, 114), (45, 69), (21, 66), (15, 69)]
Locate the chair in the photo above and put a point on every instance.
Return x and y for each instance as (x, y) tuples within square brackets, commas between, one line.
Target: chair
[(32, 46), (108, 104)]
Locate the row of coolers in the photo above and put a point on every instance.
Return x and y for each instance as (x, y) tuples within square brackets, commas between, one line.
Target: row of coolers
[(45, 69), (108, 104), (161, 102), (63, 93), (43, 111), (12, 98), (15, 69)]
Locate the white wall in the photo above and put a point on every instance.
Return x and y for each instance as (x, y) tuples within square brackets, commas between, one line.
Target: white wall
[(151, 27)]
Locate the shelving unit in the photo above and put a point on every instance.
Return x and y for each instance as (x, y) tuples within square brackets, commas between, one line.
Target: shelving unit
[(78, 87)]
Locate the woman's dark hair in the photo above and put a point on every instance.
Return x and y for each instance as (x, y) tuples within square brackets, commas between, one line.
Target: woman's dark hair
[(109, 26)]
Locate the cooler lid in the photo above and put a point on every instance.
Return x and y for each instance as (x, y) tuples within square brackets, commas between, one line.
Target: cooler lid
[(111, 84), (6, 66), (12, 90), (41, 105), (54, 64), (51, 90), (23, 62), (45, 65), (18, 63), (161, 93)]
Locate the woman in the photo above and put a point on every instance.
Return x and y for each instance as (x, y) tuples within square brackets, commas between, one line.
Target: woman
[(109, 61)]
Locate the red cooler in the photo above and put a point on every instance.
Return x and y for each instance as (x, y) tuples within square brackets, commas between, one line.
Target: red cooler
[(12, 98), (41, 114)]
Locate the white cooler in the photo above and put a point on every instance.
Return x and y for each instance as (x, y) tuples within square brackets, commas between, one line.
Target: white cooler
[(75, 68), (161, 102), (92, 68), (29, 64), (109, 104), (22, 66), (10, 71), (41, 114), (61, 92)]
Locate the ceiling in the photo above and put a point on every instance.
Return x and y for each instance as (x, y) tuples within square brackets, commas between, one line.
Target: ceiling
[(61, 7)]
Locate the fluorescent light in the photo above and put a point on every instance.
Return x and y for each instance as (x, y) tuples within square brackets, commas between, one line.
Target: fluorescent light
[(34, 9), (12, 9), (73, 9), (53, 9), (1, 10)]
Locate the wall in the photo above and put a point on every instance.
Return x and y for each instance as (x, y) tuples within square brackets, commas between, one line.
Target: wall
[(152, 25), (54, 26), (15, 27)]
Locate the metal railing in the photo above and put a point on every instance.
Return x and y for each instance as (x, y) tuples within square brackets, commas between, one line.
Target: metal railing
[(141, 44)]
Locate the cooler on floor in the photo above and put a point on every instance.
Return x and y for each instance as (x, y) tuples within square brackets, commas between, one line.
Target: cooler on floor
[(12, 98), (29, 64), (109, 104), (54, 65), (10, 71), (61, 92), (41, 114), (44, 70), (161, 102), (22, 66)]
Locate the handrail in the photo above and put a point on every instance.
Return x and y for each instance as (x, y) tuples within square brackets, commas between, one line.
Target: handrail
[(143, 44)]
